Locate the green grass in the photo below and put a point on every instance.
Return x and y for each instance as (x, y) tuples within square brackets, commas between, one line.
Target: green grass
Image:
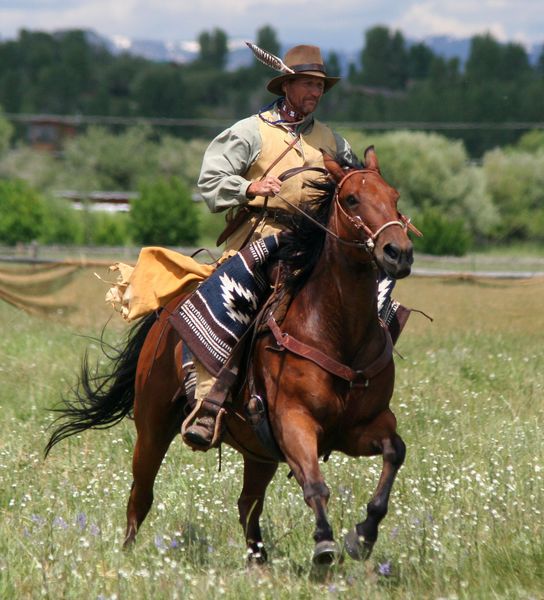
[(465, 519)]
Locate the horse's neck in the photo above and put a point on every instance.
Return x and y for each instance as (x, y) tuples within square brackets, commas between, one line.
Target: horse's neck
[(341, 295)]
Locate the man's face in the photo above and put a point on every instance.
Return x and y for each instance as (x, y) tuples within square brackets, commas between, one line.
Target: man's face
[(304, 93)]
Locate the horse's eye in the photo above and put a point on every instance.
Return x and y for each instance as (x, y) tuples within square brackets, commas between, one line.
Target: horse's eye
[(352, 201)]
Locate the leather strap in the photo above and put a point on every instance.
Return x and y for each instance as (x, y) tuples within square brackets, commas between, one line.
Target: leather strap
[(284, 340), (296, 170), (243, 213)]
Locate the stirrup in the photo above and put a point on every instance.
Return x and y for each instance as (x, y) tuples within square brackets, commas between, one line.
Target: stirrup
[(190, 420)]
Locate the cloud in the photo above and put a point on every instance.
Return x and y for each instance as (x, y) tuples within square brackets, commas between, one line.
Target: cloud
[(340, 25), (505, 20)]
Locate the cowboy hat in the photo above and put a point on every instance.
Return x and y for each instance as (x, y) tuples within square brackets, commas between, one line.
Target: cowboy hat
[(303, 60)]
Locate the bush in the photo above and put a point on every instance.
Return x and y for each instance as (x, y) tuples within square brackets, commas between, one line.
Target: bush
[(6, 131), (108, 229), (164, 214), (100, 160), (532, 141), (441, 235), (515, 180), (431, 170), (39, 169), (177, 157), (22, 212), (62, 224)]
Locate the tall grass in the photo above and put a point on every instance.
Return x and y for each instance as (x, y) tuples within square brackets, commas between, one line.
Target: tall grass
[(466, 513)]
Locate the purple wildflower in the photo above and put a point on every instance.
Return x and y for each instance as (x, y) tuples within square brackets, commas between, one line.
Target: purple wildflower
[(37, 519), (384, 568), (94, 529), (174, 544), (81, 521), (159, 542), (60, 523)]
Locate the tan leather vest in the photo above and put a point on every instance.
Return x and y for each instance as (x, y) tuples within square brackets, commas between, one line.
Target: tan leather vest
[(305, 153)]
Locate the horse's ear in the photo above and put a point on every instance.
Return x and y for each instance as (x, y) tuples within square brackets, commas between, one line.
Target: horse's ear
[(332, 166), (371, 160)]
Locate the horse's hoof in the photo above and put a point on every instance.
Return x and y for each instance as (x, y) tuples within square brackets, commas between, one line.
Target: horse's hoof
[(356, 546), (256, 556), (325, 553)]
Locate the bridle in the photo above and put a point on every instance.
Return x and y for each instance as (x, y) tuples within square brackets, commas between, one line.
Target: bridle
[(358, 224)]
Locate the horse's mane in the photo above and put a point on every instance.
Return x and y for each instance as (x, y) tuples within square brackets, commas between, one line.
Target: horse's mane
[(302, 246)]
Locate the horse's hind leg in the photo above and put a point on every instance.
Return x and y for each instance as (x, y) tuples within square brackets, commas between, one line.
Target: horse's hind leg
[(154, 438), (360, 540), (158, 413), (257, 476)]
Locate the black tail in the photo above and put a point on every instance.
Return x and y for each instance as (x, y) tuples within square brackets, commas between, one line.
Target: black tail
[(101, 401)]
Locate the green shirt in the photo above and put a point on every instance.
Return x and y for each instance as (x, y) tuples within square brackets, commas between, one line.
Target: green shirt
[(229, 156)]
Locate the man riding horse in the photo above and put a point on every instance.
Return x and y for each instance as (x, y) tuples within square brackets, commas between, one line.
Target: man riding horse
[(240, 172)]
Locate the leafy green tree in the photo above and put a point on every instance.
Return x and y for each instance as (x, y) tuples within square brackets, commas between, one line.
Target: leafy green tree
[(21, 212), (515, 62), (164, 213), (267, 39), (333, 65), (384, 59), (490, 60), (420, 59), (540, 63), (159, 91), (484, 61), (213, 48), (100, 160)]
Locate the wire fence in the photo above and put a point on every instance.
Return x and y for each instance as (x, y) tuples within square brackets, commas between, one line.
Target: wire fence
[(80, 120)]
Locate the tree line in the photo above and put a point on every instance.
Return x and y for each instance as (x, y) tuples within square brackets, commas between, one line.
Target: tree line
[(392, 80), (458, 204)]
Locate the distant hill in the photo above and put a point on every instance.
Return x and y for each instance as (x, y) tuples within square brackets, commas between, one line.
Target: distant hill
[(186, 51), (183, 51)]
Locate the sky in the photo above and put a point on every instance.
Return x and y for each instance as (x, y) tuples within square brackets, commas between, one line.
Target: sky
[(333, 24)]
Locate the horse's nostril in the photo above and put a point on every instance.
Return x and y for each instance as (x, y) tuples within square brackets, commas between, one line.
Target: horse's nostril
[(392, 251)]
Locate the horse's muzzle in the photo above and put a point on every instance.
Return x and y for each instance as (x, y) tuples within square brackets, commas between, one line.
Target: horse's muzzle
[(397, 261)]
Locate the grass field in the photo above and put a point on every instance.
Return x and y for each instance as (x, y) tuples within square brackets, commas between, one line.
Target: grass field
[(466, 514)]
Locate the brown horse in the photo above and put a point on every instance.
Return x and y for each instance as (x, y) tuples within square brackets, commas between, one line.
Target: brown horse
[(328, 375)]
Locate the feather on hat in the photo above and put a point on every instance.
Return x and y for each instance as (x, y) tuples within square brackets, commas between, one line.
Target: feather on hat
[(300, 60)]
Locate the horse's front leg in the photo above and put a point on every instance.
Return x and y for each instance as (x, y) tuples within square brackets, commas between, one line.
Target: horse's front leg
[(257, 476), (299, 442), (361, 539)]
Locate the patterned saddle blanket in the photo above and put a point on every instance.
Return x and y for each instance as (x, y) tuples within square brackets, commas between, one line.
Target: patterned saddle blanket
[(215, 317)]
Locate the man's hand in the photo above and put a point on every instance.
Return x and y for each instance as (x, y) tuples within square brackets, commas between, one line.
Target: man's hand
[(269, 186)]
